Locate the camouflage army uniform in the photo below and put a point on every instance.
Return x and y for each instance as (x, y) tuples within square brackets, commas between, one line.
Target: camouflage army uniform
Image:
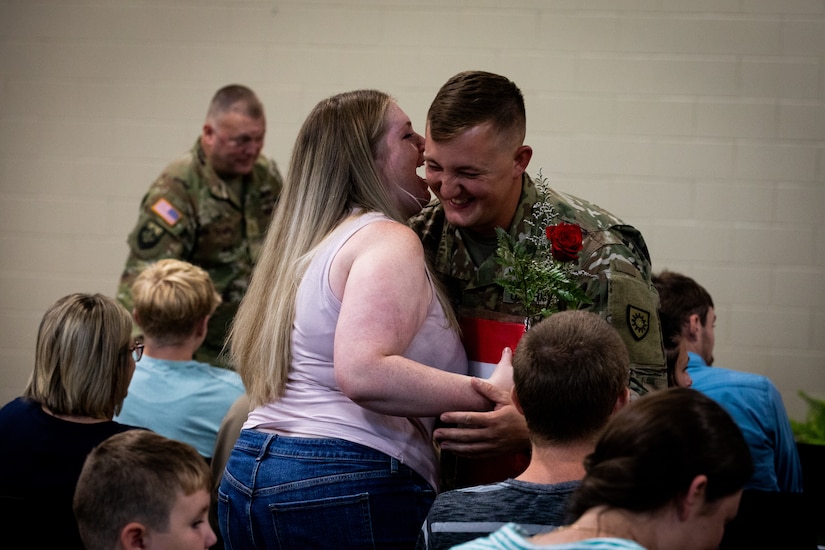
[(615, 253), (190, 213)]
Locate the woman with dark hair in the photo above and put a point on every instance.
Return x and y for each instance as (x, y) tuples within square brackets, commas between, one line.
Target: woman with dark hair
[(83, 363), (667, 472)]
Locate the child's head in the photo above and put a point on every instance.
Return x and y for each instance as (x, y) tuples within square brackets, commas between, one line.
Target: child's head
[(141, 489), (170, 298), (570, 372)]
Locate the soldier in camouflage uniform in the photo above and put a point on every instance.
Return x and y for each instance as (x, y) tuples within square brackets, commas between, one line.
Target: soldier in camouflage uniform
[(211, 207), (614, 252), (476, 164)]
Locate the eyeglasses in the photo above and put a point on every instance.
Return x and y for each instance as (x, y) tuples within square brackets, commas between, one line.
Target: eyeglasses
[(136, 351), (244, 140)]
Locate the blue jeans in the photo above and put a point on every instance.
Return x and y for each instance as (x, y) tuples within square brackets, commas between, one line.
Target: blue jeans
[(295, 493)]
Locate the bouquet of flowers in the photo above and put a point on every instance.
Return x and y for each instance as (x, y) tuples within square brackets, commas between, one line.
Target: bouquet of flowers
[(540, 270)]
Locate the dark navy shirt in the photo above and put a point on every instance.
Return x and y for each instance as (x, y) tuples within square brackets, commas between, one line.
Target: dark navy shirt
[(40, 462)]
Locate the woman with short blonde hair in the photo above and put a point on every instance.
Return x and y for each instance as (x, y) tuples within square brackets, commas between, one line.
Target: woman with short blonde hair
[(84, 360), (82, 363)]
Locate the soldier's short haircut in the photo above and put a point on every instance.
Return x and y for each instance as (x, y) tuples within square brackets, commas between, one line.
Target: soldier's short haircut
[(170, 297), (235, 97), (680, 297), (471, 98), (569, 370)]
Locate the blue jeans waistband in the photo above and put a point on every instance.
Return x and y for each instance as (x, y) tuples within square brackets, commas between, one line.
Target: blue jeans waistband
[(265, 444)]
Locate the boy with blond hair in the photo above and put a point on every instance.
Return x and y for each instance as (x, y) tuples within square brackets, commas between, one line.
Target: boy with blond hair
[(171, 393)]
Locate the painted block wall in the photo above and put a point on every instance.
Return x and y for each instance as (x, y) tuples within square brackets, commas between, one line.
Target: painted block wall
[(702, 123)]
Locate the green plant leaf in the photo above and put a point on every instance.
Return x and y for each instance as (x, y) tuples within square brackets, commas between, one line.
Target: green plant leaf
[(530, 273), (813, 429)]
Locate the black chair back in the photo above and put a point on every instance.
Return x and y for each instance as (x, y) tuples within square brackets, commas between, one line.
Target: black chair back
[(773, 520)]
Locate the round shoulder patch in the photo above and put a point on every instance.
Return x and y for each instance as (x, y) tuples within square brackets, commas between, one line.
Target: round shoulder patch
[(149, 235)]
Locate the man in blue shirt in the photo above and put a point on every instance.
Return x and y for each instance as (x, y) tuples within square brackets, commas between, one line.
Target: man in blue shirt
[(751, 399)]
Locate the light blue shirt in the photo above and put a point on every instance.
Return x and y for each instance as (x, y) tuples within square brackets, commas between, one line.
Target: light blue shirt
[(512, 537), (756, 406), (182, 400)]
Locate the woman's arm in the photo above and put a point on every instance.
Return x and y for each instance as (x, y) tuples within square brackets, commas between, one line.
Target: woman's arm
[(380, 277)]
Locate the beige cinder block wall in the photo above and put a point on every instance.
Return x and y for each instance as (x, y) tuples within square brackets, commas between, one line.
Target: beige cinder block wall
[(702, 123)]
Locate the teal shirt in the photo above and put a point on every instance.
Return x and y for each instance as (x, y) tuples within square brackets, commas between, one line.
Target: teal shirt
[(512, 537), (182, 400)]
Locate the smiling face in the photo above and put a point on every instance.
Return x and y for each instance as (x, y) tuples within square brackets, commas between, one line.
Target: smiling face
[(398, 155), (233, 142), (477, 177)]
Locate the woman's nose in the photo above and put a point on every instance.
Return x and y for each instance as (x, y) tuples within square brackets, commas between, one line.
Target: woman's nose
[(419, 142)]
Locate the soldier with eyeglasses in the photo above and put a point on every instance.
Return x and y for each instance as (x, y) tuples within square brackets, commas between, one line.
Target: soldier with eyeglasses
[(211, 207)]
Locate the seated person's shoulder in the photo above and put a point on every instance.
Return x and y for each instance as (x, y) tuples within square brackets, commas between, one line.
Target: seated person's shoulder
[(456, 500), (226, 375), (730, 380)]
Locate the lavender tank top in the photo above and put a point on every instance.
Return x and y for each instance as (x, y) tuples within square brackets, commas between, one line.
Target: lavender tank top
[(313, 405)]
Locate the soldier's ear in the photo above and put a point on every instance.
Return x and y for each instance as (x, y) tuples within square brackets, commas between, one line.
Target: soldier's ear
[(521, 159), (207, 134)]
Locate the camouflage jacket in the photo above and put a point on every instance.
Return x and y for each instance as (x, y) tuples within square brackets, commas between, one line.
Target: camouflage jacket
[(615, 254), (190, 213)]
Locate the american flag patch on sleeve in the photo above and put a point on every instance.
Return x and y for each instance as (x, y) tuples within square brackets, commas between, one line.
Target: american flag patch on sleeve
[(166, 211)]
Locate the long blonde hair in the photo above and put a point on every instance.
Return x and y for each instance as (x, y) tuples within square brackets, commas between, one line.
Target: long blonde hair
[(332, 171)]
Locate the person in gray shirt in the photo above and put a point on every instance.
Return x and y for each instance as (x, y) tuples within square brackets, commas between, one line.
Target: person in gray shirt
[(570, 374)]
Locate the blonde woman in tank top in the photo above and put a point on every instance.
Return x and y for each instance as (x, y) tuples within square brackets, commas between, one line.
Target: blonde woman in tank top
[(346, 346)]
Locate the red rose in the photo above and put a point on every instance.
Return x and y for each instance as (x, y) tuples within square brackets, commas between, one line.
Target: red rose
[(566, 241)]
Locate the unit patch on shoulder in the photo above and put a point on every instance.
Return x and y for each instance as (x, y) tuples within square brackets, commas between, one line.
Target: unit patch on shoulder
[(639, 322), (168, 213), (149, 235)]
